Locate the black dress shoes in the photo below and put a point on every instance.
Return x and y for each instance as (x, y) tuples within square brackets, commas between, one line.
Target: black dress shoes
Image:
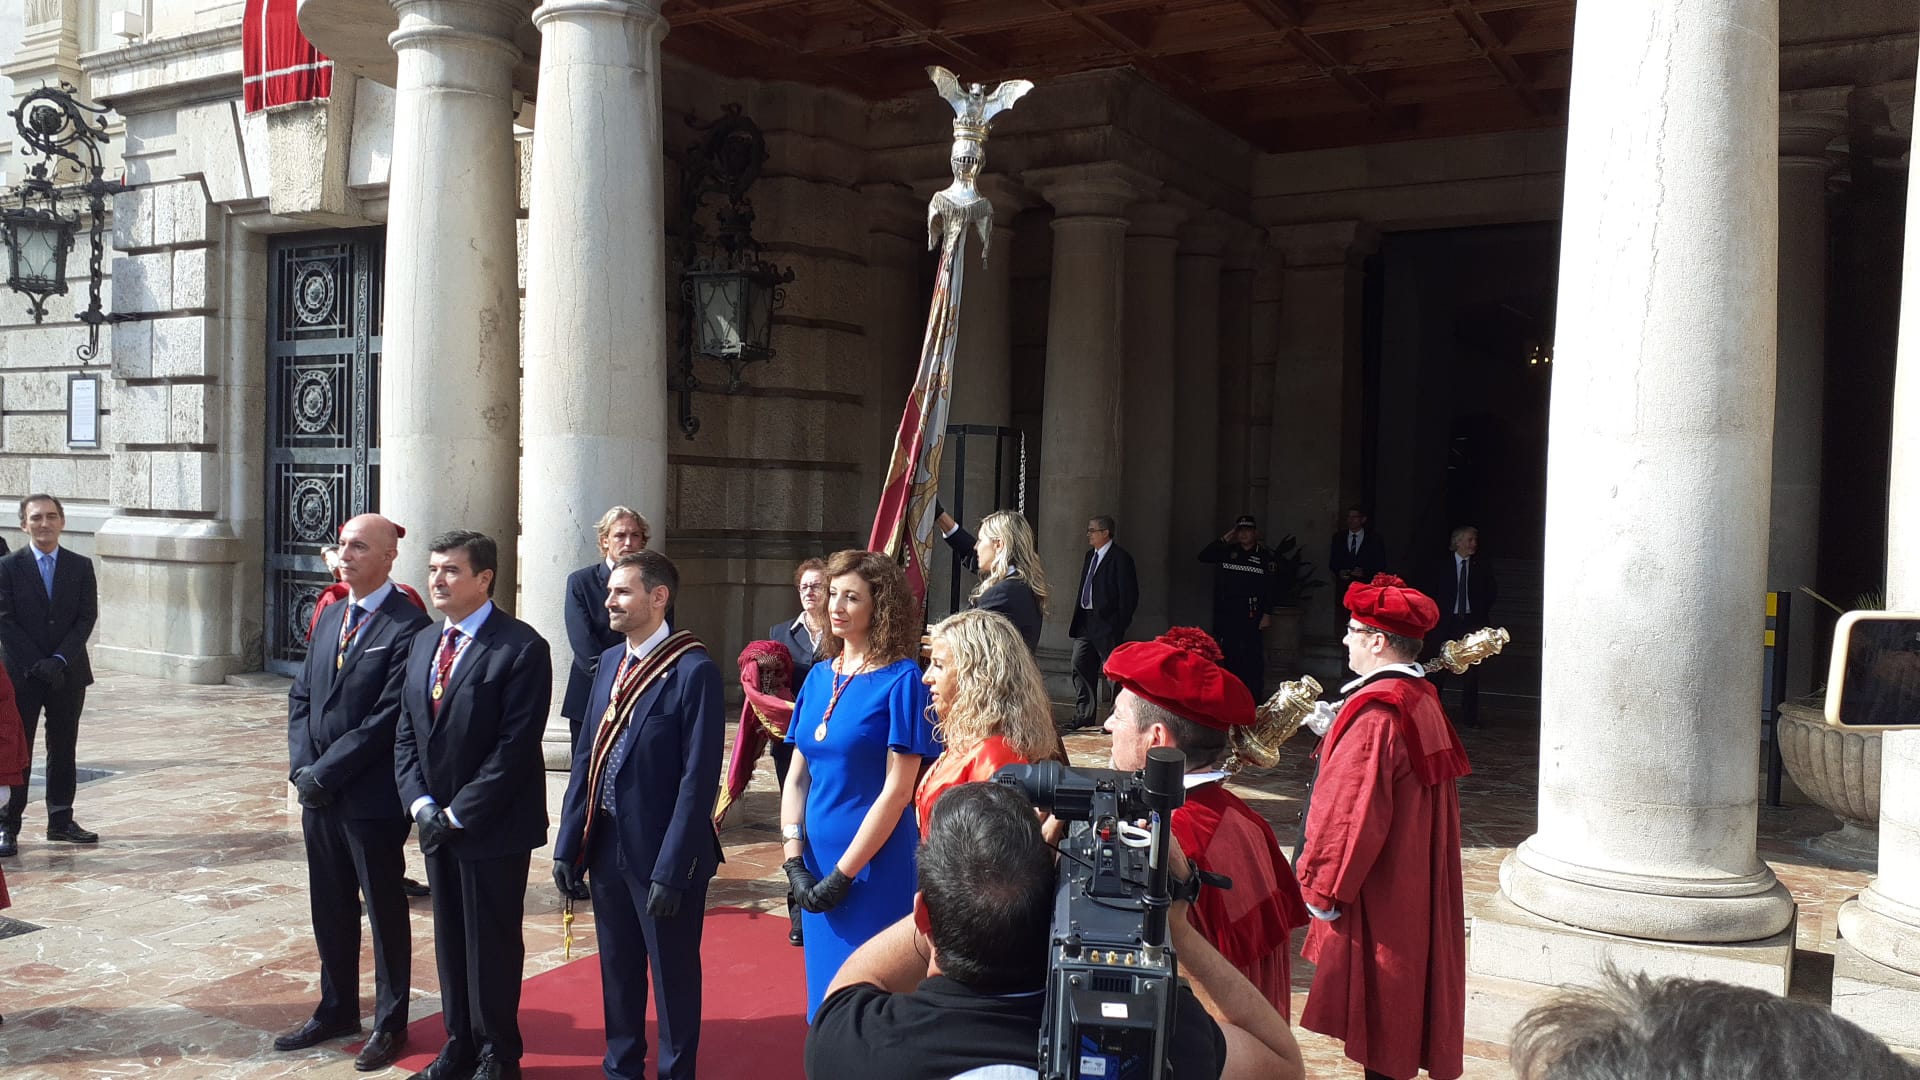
[(493, 1068), (380, 1050), (9, 844), (313, 1033), (448, 1066), (70, 833), (414, 888)]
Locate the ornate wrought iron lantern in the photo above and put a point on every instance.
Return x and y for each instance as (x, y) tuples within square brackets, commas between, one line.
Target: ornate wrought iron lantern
[(728, 293), (37, 232)]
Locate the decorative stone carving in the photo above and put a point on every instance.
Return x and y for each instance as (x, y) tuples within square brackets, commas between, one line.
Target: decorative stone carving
[(1840, 771)]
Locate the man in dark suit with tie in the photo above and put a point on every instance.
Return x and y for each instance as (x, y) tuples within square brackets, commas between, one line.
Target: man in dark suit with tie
[(1103, 608), (49, 602), (341, 715), (1463, 587), (468, 761), (622, 532), (637, 820), (1356, 554)]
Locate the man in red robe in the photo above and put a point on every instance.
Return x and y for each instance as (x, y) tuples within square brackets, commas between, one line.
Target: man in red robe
[(1380, 869), (1173, 692)]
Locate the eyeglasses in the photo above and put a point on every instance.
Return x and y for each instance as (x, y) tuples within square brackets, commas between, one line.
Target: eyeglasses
[(813, 588), (1090, 532), (1353, 629)]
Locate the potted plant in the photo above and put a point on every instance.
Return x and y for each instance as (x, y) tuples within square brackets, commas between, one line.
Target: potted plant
[(1293, 581)]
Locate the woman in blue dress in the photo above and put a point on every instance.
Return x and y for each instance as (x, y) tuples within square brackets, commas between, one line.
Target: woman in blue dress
[(861, 731)]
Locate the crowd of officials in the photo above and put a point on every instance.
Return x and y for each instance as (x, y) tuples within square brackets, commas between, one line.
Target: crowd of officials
[(921, 895)]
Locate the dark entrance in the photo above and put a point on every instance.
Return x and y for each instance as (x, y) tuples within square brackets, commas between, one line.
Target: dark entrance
[(323, 416)]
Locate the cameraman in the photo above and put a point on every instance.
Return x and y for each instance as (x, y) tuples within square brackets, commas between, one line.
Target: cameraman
[(1173, 692), (961, 983)]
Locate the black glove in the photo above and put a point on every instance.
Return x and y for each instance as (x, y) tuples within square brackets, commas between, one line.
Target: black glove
[(52, 671), (800, 881), (311, 793), (827, 894), (435, 826), (663, 901), (571, 879)]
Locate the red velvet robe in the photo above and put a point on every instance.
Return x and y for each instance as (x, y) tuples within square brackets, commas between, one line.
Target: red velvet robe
[(1383, 847), (1252, 924), (13, 754)]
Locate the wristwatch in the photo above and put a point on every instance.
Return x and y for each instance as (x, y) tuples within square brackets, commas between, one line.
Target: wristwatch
[(790, 832)]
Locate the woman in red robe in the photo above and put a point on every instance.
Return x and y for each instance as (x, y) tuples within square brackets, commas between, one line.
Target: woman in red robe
[(989, 705)]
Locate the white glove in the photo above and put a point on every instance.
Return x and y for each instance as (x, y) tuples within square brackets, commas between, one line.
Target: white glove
[(1328, 915), (1322, 718)]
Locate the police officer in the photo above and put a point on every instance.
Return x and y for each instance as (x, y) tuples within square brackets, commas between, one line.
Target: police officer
[(1243, 579)]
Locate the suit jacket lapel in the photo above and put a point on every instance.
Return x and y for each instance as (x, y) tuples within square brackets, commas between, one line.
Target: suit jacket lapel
[(321, 647), (471, 657), (376, 630)]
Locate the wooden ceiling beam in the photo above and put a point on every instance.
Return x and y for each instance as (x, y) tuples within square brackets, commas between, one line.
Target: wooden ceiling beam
[(1495, 51), (1285, 16), (917, 26)]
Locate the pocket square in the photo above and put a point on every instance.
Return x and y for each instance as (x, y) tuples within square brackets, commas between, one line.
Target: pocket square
[(378, 648)]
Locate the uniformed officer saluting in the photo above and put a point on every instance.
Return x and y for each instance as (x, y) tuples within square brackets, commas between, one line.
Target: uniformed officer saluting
[(1243, 582)]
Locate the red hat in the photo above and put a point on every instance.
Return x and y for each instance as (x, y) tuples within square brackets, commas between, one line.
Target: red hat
[(1180, 672), (1390, 604)]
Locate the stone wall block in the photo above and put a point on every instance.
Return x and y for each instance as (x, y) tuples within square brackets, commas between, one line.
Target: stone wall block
[(92, 477), (192, 414), (183, 480), (55, 476), (36, 391), (191, 285), (141, 410), (192, 214), (143, 283), (132, 349), (130, 479), (791, 210), (13, 475), (35, 434), (179, 347), (51, 345), (133, 218)]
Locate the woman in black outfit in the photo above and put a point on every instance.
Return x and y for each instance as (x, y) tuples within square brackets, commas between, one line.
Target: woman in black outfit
[(1011, 581)]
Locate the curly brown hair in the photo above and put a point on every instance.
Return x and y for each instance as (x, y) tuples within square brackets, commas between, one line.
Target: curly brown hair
[(895, 631)]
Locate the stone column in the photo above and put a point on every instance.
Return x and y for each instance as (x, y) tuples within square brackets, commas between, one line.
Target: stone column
[(1080, 475), (1195, 519), (896, 325), (1316, 389), (1876, 970), (1236, 376), (1264, 341), (449, 376), (1147, 409), (597, 345), (1794, 529), (1660, 436)]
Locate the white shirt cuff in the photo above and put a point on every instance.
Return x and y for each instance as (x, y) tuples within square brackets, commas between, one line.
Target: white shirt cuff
[(414, 810), (949, 532)]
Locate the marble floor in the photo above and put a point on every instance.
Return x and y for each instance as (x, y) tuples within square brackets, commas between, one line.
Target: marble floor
[(181, 944)]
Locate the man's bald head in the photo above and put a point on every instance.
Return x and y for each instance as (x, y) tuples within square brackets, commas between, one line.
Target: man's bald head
[(368, 545)]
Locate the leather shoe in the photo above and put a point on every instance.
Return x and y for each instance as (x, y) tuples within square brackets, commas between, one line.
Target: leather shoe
[(380, 1050), (9, 842), (493, 1068), (313, 1033), (448, 1066), (70, 833), (414, 888)]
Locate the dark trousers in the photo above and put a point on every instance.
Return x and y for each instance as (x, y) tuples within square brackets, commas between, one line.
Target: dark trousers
[(634, 944), (1468, 683), (1089, 657), (63, 737), (478, 905), (348, 858), (1244, 651)]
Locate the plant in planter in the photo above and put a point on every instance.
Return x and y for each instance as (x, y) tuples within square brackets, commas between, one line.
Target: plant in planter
[(1293, 581)]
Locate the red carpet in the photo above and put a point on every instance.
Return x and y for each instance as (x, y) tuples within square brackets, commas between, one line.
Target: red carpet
[(754, 1010)]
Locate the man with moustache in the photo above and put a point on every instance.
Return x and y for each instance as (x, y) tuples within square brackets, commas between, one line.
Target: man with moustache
[(341, 715), (622, 531), (636, 824), (467, 757)]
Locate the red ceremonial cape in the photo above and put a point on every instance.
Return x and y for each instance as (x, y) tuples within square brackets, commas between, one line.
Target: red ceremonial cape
[(1252, 923), (763, 717), (337, 592), (1383, 847), (13, 754)]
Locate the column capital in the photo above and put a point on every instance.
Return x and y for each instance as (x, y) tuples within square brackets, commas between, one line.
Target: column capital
[(1102, 188), (487, 23), (1205, 234), (646, 12), (895, 210), (1805, 135), (1324, 243), (1155, 219)]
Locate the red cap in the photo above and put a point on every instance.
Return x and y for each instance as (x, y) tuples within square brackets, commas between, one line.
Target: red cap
[(1390, 604), (1180, 672)]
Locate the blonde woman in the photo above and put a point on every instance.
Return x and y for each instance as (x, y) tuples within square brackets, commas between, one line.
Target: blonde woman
[(990, 705), (1011, 581)]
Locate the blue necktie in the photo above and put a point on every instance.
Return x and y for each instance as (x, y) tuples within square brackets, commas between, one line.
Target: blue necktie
[(46, 573), (1086, 587)]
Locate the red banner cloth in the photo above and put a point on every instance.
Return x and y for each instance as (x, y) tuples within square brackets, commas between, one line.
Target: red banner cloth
[(281, 66)]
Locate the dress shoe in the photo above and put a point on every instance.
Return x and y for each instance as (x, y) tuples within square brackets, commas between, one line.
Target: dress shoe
[(493, 1068), (70, 833), (9, 842), (414, 888), (448, 1066), (380, 1050), (313, 1033)]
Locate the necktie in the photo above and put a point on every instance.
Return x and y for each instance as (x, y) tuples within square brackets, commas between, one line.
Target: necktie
[(1353, 543), (1460, 605), (443, 665), (46, 573), (621, 689), (348, 630), (1086, 586)]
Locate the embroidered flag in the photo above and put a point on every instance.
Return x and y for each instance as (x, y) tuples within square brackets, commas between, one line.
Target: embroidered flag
[(280, 65)]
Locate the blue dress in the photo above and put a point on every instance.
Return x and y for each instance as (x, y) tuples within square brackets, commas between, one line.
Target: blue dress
[(878, 712)]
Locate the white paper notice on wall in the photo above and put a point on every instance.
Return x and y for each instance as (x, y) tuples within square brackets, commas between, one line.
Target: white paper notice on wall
[(83, 410)]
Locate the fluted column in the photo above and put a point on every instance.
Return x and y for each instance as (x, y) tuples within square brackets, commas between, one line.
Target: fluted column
[(1876, 971), (1147, 410), (1662, 398), (1196, 419), (1236, 375), (1794, 528), (450, 370), (1080, 475)]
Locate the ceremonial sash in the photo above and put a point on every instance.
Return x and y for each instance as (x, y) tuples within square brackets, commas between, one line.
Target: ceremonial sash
[(629, 685)]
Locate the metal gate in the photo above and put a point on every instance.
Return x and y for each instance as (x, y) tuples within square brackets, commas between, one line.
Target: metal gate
[(323, 417)]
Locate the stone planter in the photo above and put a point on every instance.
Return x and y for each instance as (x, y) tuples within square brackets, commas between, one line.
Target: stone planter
[(1281, 639), (1838, 770)]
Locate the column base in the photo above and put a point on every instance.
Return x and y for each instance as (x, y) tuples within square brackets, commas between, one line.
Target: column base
[(1884, 1000), (556, 744), (1517, 960)]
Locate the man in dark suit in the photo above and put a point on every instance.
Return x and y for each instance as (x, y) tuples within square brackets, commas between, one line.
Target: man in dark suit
[(622, 532), (1103, 608), (341, 715), (1463, 609), (468, 761), (637, 820), (1355, 554), (49, 602)]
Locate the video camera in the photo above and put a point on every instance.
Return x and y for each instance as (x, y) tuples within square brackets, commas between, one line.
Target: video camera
[(1111, 972)]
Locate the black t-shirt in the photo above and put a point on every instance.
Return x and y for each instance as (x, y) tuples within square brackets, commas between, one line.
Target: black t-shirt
[(943, 1029)]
